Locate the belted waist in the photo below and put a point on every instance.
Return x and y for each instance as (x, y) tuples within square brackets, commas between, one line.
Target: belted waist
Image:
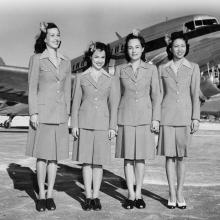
[(95, 99), (134, 94)]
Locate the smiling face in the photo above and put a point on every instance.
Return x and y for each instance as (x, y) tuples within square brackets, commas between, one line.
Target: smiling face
[(178, 49), (135, 49), (52, 39), (98, 59)]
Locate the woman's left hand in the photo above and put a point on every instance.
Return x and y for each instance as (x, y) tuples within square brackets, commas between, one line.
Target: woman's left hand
[(194, 126), (155, 126), (111, 134)]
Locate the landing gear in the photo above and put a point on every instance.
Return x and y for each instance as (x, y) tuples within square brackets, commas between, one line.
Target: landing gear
[(7, 123)]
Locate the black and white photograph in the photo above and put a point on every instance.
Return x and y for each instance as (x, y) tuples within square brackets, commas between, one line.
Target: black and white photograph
[(109, 110)]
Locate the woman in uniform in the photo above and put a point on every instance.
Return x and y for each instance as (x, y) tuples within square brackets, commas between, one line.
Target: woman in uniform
[(94, 120), (138, 115), (180, 87), (49, 108)]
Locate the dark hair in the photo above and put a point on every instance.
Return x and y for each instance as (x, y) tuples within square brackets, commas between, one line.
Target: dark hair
[(142, 42), (97, 46), (174, 36), (40, 45)]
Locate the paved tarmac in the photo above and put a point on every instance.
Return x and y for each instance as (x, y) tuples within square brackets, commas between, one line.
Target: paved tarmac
[(202, 185)]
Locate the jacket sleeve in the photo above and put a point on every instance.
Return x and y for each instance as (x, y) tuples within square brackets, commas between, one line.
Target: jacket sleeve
[(114, 98), (33, 80), (155, 95), (77, 97), (195, 90), (67, 88)]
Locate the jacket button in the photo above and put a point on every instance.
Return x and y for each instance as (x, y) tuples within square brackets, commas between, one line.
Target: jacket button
[(177, 100), (177, 92), (96, 107), (95, 98), (58, 91), (136, 100)]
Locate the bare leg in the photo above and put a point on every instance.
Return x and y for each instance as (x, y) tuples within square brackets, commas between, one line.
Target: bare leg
[(171, 174), (129, 175), (41, 175), (180, 178), (139, 174), (51, 175), (97, 179), (87, 179)]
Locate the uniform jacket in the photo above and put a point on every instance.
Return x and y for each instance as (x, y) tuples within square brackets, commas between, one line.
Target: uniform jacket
[(180, 94), (95, 103), (49, 88), (140, 95)]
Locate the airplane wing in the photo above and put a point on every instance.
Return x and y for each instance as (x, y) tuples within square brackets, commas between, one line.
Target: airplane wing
[(13, 90)]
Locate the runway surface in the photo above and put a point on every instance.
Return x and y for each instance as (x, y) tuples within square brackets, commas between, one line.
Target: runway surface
[(202, 188)]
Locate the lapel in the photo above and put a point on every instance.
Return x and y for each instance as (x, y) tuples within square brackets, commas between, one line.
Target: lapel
[(129, 72), (141, 71), (58, 70), (184, 69), (101, 81), (170, 71)]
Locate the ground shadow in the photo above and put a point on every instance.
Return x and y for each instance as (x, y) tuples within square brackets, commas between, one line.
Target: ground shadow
[(69, 180), (154, 196), (24, 179)]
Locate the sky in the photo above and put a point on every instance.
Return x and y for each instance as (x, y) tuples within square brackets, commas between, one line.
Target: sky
[(81, 21)]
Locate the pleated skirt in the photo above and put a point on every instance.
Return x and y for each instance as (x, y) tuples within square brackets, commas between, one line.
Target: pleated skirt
[(174, 141), (135, 142), (92, 147), (48, 141)]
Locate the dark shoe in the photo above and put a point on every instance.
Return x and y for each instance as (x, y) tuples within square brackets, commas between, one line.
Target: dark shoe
[(129, 204), (140, 204), (181, 205), (88, 204), (41, 205), (50, 204), (171, 205), (96, 205)]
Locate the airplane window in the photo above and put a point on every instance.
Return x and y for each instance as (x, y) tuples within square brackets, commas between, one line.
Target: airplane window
[(116, 49), (190, 26), (82, 63), (73, 67), (209, 21), (77, 65), (198, 22), (122, 47)]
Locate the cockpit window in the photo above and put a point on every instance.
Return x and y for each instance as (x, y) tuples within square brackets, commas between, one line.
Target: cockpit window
[(189, 26)]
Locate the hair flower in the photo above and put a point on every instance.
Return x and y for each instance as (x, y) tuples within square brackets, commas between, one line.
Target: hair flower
[(136, 32), (92, 46), (43, 27), (167, 39)]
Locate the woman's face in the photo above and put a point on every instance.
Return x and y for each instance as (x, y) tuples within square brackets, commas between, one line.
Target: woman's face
[(52, 39), (135, 49), (98, 59), (178, 48)]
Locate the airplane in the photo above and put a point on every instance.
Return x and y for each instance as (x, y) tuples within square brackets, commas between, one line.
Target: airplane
[(203, 32)]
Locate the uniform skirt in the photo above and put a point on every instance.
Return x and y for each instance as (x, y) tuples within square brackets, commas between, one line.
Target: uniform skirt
[(135, 142), (92, 147), (173, 141), (48, 141)]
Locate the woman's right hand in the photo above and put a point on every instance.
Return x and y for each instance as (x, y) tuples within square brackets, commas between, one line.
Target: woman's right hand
[(34, 120), (75, 132)]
